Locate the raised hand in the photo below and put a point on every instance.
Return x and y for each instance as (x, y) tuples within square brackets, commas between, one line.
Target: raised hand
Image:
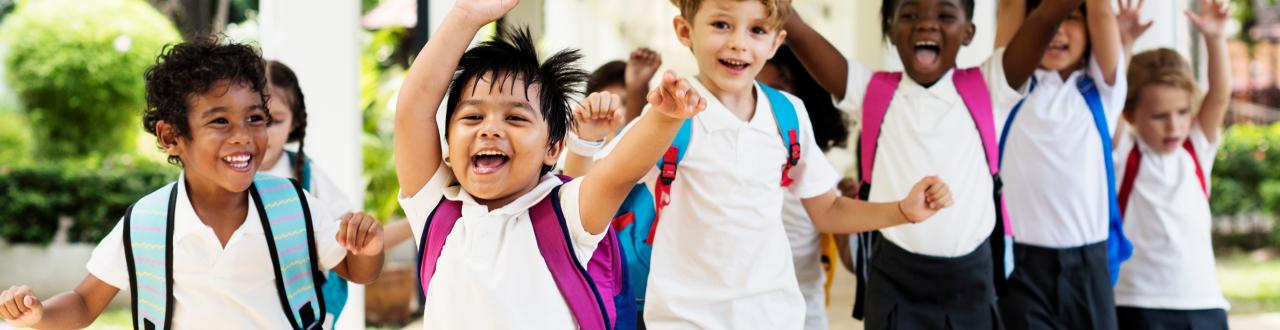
[(20, 307), (926, 198), (360, 234), (1129, 20), (642, 65), (599, 115), (1212, 18), (676, 98), (484, 11)]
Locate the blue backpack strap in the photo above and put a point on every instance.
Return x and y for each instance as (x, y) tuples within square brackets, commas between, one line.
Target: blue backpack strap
[(305, 180), (1119, 248), (1008, 122), (788, 127), (286, 219), (149, 256)]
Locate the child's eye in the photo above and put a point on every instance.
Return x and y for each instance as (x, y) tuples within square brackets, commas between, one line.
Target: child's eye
[(720, 25), (257, 119), (759, 30), (471, 117), (219, 121), (516, 118)]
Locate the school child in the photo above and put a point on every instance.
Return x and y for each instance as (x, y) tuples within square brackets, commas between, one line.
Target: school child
[(1069, 241), (503, 244), (288, 109), (628, 79), (222, 245), (616, 95), (711, 251), (1165, 163), (924, 122)]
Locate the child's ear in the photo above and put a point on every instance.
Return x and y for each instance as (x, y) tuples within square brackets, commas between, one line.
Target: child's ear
[(777, 42), (683, 31), (168, 138), (969, 32), (553, 153)]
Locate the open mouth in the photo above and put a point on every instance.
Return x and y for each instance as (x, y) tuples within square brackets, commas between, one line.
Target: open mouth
[(239, 162), (1057, 48), (489, 161), (735, 66), (927, 52), (1172, 142)]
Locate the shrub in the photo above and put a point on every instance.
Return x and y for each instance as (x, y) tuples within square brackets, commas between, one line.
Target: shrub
[(36, 196), (77, 66)]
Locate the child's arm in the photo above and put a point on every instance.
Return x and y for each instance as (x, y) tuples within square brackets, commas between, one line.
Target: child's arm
[(1129, 22), (1032, 38), (834, 214), (361, 235), (1008, 19), (607, 184), (598, 116), (396, 233), (819, 57), (1212, 22), (1104, 36), (70, 310), (417, 138), (641, 67)]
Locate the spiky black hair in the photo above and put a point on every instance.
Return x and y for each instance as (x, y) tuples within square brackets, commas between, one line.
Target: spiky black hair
[(512, 56)]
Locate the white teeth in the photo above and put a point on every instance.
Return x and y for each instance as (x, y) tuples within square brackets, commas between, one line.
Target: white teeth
[(734, 62), (927, 43), (236, 158), (491, 153)]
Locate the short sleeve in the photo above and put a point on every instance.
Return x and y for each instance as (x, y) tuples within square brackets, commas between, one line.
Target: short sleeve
[(813, 174), (418, 207), (107, 262), (325, 221), (327, 192), (855, 89), (584, 243), (1205, 150), (1003, 95), (1113, 96)]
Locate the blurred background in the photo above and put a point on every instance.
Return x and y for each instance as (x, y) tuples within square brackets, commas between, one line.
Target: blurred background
[(73, 155)]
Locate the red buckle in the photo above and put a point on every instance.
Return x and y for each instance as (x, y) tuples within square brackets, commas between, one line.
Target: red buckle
[(622, 221)]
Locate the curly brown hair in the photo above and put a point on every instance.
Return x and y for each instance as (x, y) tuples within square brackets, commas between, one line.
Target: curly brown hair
[(778, 10)]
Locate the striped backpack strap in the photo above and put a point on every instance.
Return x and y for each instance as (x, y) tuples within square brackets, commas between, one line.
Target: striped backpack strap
[(286, 219), (149, 256)]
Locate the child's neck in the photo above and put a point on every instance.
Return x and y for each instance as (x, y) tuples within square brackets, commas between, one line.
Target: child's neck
[(740, 102), (222, 210)]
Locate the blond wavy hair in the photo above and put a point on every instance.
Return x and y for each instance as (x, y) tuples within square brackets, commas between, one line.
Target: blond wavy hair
[(1159, 67), (778, 10)]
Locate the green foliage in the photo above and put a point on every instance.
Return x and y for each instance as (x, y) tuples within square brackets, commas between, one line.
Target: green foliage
[(36, 196), (15, 139), (379, 80), (1247, 157), (77, 66)]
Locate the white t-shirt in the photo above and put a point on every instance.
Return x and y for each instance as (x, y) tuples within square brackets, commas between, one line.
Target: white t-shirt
[(490, 274), (322, 187), (1055, 179), (929, 131), (721, 259), (234, 286), (1169, 223)]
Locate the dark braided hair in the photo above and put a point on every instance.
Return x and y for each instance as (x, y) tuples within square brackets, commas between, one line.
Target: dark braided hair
[(282, 77), (192, 68)]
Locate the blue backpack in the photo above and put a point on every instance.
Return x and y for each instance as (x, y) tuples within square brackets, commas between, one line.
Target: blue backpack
[(286, 221), (637, 219), (1119, 248), (335, 292)]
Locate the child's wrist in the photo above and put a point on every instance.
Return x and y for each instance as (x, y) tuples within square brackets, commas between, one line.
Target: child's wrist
[(582, 147), (903, 212)]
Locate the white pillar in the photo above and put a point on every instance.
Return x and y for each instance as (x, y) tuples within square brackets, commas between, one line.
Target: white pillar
[(320, 40)]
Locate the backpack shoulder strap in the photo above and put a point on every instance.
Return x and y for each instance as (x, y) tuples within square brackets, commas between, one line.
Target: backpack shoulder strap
[(977, 98), (1131, 166), (306, 170), (1119, 248), (571, 276), (668, 165), (1191, 149), (286, 219), (784, 113), (149, 256), (874, 107), (439, 223), (1008, 122)]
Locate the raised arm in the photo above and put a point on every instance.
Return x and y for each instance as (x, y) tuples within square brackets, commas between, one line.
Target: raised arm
[(1009, 17), (1129, 22), (819, 57), (1212, 22), (641, 67), (843, 215), (76, 309), (417, 137), (1032, 38), (607, 184), (1104, 36), (596, 117)]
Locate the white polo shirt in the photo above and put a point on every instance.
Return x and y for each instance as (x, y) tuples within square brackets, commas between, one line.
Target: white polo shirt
[(490, 274), (234, 286), (1055, 179), (929, 131), (721, 259), (1169, 223), (322, 187)]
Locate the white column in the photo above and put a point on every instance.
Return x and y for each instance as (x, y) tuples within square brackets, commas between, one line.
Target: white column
[(320, 40)]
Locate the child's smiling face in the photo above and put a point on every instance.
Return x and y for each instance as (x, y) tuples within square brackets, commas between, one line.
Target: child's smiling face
[(1066, 51), (731, 40), (227, 136), (498, 139), (928, 34)]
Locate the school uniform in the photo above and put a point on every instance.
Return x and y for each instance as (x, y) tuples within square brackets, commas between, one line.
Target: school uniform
[(322, 187), (1171, 279), (232, 286), (490, 274), (1056, 190), (806, 256), (721, 258), (929, 131)]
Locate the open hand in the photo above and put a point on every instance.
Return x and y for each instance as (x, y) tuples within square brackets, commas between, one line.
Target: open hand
[(1212, 18), (641, 67), (926, 198), (484, 11), (676, 98), (20, 307), (360, 234), (599, 115), (1129, 20)]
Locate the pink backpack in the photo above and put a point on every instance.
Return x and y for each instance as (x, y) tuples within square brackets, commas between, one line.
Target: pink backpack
[(973, 90)]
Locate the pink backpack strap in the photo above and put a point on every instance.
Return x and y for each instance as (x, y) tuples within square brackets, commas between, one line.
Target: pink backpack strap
[(973, 90), (439, 225), (874, 106), (571, 276)]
